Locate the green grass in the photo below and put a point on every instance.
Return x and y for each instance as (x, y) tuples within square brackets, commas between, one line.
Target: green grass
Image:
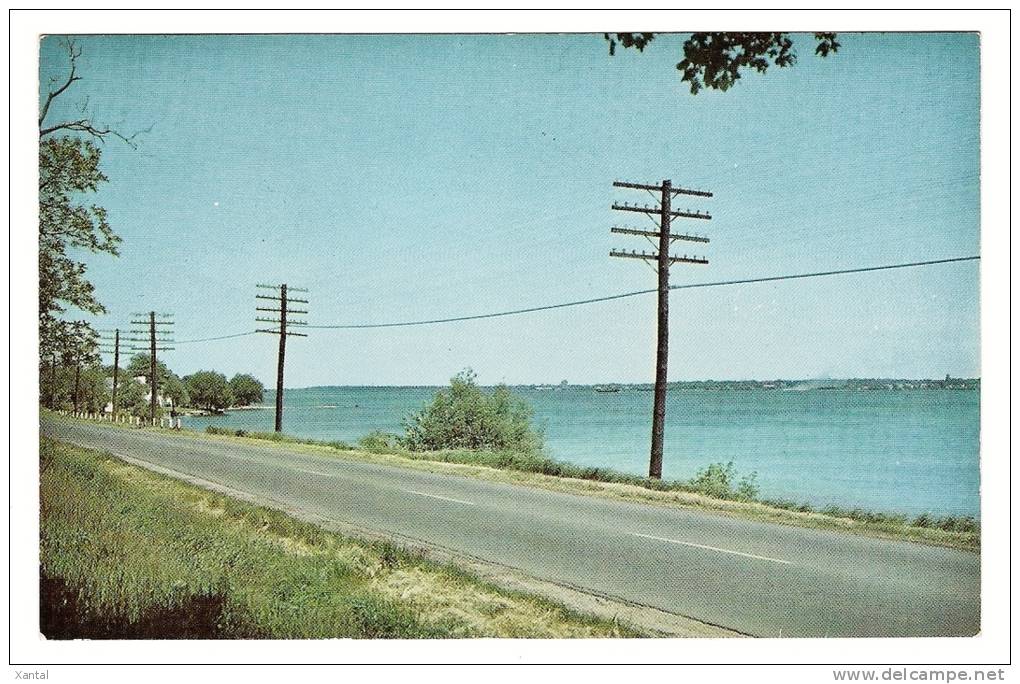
[(715, 482), (126, 553)]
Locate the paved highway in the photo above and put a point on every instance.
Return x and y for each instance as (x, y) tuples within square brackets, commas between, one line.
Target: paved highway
[(757, 578)]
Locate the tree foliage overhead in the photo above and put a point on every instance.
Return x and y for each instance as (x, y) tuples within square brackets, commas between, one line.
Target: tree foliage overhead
[(80, 345), (67, 343), (69, 168), (716, 60), (68, 172)]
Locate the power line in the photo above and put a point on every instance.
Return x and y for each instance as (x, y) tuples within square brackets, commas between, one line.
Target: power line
[(212, 339), (635, 293), (819, 274), (607, 298)]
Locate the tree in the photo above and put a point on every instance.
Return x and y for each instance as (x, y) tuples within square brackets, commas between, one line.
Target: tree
[(246, 389), (466, 417), (174, 389), (57, 389), (93, 392), (68, 169), (715, 60), (139, 367), (169, 385), (133, 398), (76, 349), (209, 390), (61, 343)]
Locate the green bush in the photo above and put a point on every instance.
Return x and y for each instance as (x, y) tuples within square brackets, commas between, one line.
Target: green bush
[(720, 480), (379, 442), (949, 523), (464, 416)]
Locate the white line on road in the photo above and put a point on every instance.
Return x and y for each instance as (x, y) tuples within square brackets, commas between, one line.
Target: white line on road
[(315, 472), (444, 498), (712, 548)]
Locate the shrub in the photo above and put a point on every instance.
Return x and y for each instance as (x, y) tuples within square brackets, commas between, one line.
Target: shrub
[(720, 480), (716, 479), (379, 442), (466, 417), (748, 487)]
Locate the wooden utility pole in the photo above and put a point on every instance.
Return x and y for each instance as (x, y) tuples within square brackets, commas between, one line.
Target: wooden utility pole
[(154, 336), (282, 309), (116, 369), (81, 347), (77, 379), (664, 194), (113, 347), (53, 380), (153, 380)]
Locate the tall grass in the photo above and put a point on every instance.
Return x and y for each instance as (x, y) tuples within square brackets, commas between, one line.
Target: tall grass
[(129, 554)]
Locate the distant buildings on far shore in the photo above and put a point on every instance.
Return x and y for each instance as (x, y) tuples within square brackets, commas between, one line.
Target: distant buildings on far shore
[(851, 384)]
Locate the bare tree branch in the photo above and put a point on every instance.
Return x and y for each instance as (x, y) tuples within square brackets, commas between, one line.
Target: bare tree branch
[(74, 52), (86, 124)]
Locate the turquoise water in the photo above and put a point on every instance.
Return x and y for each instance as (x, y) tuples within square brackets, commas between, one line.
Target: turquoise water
[(901, 451)]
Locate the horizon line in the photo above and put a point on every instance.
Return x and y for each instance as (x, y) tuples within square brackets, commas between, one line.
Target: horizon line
[(646, 382)]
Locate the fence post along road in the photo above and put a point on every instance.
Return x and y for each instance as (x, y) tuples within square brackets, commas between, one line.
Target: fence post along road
[(662, 260), (284, 313)]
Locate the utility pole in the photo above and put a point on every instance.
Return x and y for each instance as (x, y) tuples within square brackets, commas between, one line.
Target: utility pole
[(77, 379), (105, 346), (664, 194), (153, 336), (53, 380), (282, 309), (81, 345)]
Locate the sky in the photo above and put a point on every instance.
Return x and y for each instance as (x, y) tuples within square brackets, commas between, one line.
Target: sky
[(425, 176)]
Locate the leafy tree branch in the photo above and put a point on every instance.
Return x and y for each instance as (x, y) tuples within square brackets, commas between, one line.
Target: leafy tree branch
[(717, 60)]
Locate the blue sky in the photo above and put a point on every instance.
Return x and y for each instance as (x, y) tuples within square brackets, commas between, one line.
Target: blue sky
[(408, 177)]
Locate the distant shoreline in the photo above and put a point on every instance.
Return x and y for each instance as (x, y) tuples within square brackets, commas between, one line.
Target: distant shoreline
[(848, 384)]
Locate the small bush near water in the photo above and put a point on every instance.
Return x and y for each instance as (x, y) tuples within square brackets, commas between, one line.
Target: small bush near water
[(720, 480), (129, 554), (467, 417)]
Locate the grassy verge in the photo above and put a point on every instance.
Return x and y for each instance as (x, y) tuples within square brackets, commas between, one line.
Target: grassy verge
[(707, 492), (126, 553)]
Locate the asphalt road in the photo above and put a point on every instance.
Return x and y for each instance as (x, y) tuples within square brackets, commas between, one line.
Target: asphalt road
[(757, 578)]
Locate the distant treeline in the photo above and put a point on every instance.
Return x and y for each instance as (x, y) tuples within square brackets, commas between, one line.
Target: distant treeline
[(846, 384)]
